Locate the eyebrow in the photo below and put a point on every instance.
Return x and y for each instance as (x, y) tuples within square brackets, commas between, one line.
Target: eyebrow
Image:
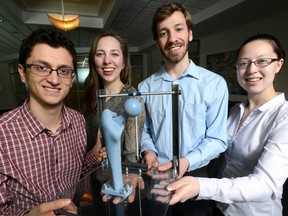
[(113, 50), (175, 26), (40, 61)]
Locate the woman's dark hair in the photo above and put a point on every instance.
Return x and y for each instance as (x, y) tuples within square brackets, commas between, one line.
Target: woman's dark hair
[(93, 82), (280, 52), (50, 37)]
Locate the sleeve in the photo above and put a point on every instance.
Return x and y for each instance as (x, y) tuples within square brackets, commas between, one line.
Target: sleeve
[(5, 195), (215, 140), (88, 137), (264, 183), (146, 139), (90, 163)]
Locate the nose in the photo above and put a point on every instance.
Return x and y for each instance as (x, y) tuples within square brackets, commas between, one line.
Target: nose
[(53, 78), (107, 59), (172, 36), (251, 69)]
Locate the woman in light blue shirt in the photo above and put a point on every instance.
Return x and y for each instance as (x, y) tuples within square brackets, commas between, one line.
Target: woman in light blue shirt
[(256, 161)]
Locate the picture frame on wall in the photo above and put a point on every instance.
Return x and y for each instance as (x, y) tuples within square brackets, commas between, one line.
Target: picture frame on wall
[(224, 64)]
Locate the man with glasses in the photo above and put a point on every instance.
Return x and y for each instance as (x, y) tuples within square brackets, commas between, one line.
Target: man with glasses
[(43, 142)]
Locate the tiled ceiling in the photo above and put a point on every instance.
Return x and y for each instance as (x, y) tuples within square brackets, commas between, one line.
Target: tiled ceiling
[(130, 18)]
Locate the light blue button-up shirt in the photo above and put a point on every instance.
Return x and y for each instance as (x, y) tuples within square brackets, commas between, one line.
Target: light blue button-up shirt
[(203, 105)]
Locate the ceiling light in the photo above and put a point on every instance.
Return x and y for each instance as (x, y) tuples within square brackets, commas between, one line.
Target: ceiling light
[(64, 22)]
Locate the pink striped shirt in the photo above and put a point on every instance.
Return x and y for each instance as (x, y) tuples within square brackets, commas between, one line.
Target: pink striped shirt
[(36, 165)]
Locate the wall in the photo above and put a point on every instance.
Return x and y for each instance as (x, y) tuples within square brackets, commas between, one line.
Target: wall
[(231, 40), (6, 91)]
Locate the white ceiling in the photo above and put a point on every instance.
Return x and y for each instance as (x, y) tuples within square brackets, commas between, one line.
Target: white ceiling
[(130, 18)]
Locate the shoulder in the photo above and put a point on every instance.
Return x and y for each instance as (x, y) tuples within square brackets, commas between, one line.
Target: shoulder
[(149, 81), (210, 75), (283, 110), (211, 81), (128, 88), (10, 116)]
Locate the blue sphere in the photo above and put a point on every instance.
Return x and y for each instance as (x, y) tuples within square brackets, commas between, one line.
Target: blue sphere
[(132, 107)]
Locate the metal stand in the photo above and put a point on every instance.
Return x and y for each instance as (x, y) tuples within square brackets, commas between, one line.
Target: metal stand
[(175, 121)]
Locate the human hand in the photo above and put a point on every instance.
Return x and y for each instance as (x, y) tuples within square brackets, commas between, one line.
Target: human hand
[(150, 158), (161, 192), (183, 166), (159, 182), (99, 152), (185, 188), (135, 181), (49, 208)]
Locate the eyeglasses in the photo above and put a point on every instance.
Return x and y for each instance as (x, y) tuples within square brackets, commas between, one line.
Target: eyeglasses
[(260, 63), (44, 71)]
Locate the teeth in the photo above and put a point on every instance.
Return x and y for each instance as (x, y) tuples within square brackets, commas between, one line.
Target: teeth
[(174, 48), (253, 79), (52, 89), (108, 69)]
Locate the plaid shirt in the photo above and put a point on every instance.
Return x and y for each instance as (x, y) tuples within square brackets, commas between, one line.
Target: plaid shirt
[(36, 165)]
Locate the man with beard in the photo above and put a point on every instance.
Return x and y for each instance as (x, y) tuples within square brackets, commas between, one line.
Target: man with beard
[(203, 105)]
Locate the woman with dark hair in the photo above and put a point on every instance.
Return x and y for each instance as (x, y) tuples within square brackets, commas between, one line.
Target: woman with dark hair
[(256, 162)]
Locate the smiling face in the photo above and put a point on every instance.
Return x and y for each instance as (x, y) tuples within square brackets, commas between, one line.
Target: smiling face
[(109, 60), (51, 90), (174, 37), (258, 80)]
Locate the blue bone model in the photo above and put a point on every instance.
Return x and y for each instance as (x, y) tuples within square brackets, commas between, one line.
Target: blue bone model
[(113, 126)]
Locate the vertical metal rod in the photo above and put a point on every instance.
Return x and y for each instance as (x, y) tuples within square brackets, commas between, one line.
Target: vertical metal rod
[(175, 125), (139, 191), (137, 139), (62, 11)]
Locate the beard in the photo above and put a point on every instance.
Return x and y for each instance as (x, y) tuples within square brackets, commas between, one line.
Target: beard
[(174, 57)]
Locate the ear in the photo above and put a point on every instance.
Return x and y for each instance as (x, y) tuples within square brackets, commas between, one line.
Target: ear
[(279, 64), (190, 35), (72, 81), (21, 71)]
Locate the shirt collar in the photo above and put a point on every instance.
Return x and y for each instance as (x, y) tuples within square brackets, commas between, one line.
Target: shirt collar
[(192, 71), (280, 98), (35, 127)]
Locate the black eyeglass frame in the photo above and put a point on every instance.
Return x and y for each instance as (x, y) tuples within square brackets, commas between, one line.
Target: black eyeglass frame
[(51, 70)]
